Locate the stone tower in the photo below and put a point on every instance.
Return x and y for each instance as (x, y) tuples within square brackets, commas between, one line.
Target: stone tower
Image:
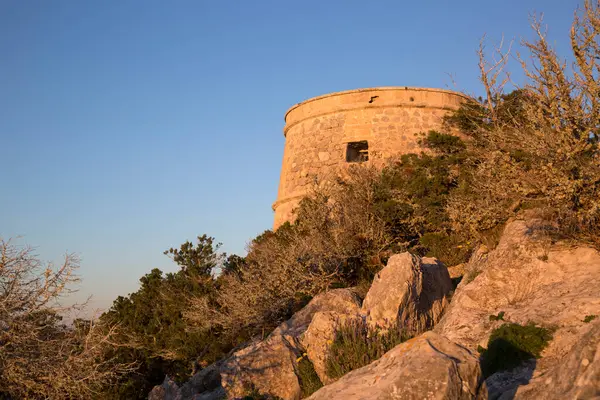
[(325, 133)]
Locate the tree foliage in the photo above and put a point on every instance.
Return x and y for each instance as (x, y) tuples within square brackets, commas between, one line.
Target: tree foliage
[(539, 143), (40, 355), (154, 332)]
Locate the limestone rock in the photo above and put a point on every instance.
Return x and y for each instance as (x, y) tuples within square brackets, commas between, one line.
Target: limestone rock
[(207, 381), (270, 365), (410, 290), (204, 385), (576, 377), (528, 279), (504, 384), (340, 301), (318, 338), (456, 271), (266, 365), (426, 367), (168, 390)]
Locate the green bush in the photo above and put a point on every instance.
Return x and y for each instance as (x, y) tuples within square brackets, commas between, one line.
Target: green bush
[(589, 318), (499, 317), (511, 344), (357, 344), (471, 275), (309, 380), (449, 249), (444, 143), (153, 332)]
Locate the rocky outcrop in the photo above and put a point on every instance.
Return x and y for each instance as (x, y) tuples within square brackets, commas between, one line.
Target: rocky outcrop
[(339, 301), (204, 385), (577, 376), (426, 367), (319, 336), (529, 279), (168, 390), (270, 365), (409, 290), (526, 278)]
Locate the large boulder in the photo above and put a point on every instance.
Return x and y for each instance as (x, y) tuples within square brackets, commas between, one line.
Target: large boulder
[(529, 279), (339, 301), (426, 367), (320, 335), (270, 365), (409, 290)]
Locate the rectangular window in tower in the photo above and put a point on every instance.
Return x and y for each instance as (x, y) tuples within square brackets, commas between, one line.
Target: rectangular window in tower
[(357, 151)]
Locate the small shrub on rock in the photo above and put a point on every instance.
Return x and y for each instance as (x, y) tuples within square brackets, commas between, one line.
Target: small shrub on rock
[(499, 317), (511, 344), (254, 394), (589, 318), (309, 380), (444, 143), (357, 344), (449, 249)]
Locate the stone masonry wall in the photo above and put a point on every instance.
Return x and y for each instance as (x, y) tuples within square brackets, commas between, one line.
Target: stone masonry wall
[(318, 130)]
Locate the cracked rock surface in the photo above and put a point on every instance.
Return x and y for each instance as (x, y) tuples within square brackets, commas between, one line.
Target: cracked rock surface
[(426, 367)]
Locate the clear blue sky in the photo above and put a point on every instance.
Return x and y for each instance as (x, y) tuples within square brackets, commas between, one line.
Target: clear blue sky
[(128, 127)]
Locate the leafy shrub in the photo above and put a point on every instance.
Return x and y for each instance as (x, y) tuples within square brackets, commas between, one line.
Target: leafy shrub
[(589, 318), (471, 275), (336, 241), (444, 143), (499, 317), (357, 344), (309, 380), (450, 249), (511, 344), (153, 332)]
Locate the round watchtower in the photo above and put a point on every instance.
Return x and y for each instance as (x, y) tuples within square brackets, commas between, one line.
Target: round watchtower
[(364, 125)]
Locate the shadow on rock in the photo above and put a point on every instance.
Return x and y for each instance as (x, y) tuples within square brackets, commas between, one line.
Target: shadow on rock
[(505, 367)]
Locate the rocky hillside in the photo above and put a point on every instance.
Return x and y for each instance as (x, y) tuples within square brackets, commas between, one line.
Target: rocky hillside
[(522, 323)]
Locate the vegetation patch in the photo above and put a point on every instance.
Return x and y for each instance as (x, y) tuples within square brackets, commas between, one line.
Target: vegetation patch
[(449, 249), (471, 275), (357, 344), (511, 344), (499, 317), (589, 318), (309, 380), (252, 393)]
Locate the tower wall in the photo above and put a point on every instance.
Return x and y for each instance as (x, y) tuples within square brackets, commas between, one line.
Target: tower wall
[(318, 130)]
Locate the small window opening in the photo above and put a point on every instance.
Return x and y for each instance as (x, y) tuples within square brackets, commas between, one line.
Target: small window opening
[(357, 151)]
